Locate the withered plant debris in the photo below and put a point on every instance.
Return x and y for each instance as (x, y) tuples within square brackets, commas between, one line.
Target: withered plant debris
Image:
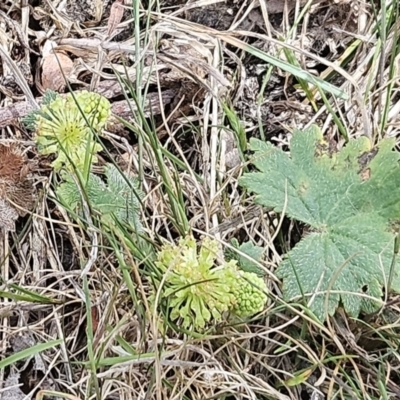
[(16, 188)]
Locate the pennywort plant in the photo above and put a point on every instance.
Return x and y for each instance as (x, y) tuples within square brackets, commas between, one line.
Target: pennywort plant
[(350, 199), (67, 126)]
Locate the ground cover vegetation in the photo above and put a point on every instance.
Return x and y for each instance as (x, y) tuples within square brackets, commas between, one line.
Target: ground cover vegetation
[(199, 200)]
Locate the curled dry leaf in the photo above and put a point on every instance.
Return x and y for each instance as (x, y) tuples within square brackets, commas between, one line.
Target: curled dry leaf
[(116, 14), (55, 69), (8, 215), (232, 151), (11, 389), (16, 190)]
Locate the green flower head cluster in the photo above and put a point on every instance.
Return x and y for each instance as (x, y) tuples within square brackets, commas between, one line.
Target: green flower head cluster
[(96, 108), (197, 292), (65, 126), (249, 292)]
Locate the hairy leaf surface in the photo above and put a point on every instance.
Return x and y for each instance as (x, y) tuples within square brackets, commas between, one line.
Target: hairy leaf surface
[(350, 199), (118, 198), (244, 263)]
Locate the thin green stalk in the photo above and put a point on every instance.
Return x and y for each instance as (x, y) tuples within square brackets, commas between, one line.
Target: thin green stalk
[(89, 335)]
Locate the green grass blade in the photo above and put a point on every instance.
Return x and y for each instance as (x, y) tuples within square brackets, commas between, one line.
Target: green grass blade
[(31, 351), (285, 66)]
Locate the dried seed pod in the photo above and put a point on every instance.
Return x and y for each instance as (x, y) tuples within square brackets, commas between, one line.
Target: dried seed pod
[(16, 190), (11, 163)]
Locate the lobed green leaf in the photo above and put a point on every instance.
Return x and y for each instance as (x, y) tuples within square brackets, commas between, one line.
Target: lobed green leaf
[(349, 199)]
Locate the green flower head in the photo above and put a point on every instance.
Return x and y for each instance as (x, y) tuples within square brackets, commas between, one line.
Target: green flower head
[(194, 289), (61, 128), (198, 292), (96, 108)]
